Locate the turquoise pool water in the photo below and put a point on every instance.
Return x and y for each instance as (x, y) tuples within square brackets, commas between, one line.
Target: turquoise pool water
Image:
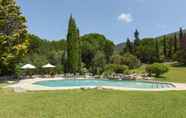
[(110, 83)]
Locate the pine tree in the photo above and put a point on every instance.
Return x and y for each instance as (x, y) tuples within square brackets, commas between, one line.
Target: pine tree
[(13, 36), (73, 49), (165, 46)]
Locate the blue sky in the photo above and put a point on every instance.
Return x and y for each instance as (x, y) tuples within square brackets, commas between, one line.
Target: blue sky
[(116, 19)]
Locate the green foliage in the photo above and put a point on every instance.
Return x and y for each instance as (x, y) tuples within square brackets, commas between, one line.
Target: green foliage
[(147, 52), (126, 59), (157, 69), (13, 37), (91, 45), (73, 48), (114, 68), (99, 63), (128, 47), (117, 59), (180, 56), (131, 61)]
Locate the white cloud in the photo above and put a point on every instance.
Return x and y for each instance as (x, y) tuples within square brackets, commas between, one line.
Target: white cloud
[(125, 17)]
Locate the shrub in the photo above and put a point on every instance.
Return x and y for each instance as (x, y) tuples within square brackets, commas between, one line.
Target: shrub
[(116, 68), (157, 69), (131, 61)]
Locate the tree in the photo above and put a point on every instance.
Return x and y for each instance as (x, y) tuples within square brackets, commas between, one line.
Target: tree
[(165, 46), (170, 48), (73, 53), (13, 36), (108, 49), (147, 51), (157, 69), (99, 63), (175, 43), (136, 40), (128, 47), (181, 37), (130, 60), (157, 50)]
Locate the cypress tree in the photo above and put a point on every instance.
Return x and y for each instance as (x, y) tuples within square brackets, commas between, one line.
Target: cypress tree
[(128, 47), (181, 38), (170, 48), (137, 39), (73, 53), (165, 46), (175, 43), (157, 50)]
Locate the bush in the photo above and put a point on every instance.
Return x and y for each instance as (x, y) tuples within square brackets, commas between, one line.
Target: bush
[(157, 69), (131, 61), (116, 68)]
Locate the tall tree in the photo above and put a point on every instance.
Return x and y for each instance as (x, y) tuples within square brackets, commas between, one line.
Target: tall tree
[(180, 36), (170, 48), (128, 47), (73, 53), (157, 50), (165, 46), (13, 36), (137, 39), (175, 43)]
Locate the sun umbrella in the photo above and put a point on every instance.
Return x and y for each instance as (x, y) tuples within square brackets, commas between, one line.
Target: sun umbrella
[(48, 66), (28, 66)]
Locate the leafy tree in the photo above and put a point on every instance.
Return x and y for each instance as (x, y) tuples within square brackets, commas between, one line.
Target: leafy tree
[(13, 36), (73, 53), (99, 63), (108, 49), (131, 61), (93, 43), (147, 51), (117, 59)]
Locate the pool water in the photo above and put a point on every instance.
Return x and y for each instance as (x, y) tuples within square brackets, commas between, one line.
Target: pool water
[(110, 83)]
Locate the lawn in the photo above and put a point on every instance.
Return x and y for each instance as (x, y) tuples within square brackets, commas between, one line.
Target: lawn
[(92, 104), (175, 74)]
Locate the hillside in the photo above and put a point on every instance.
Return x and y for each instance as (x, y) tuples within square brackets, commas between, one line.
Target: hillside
[(119, 47)]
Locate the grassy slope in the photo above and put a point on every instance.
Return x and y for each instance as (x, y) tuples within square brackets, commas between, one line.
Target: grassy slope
[(93, 104), (176, 74)]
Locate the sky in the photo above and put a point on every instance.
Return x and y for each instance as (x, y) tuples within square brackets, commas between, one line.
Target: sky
[(116, 19)]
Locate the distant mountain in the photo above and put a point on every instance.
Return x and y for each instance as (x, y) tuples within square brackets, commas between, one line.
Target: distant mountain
[(120, 46)]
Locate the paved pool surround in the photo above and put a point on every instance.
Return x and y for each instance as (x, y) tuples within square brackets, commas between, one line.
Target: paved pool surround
[(27, 85)]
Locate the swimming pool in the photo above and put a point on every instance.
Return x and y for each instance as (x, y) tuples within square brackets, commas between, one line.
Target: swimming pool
[(102, 83)]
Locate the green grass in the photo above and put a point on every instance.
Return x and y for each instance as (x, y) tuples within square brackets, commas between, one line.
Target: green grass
[(92, 104), (175, 74)]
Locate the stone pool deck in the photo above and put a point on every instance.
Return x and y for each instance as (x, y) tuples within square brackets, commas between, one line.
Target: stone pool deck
[(27, 85)]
